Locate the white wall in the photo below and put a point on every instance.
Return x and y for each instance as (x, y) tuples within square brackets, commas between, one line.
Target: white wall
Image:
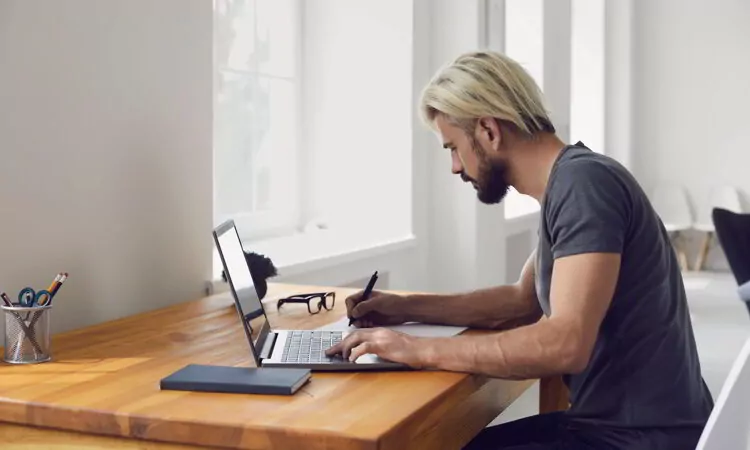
[(105, 153), (587, 73), (618, 80), (690, 95), (559, 64), (357, 130)]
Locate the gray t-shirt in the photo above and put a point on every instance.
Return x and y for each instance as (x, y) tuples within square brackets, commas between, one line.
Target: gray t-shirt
[(644, 369)]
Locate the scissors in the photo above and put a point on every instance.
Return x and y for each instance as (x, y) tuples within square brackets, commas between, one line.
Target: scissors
[(28, 297)]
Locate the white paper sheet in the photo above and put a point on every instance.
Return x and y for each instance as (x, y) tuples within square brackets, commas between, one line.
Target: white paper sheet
[(411, 328)]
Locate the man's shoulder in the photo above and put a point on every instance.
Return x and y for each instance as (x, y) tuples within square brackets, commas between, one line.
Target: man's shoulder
[(579, 168), (585, 185), (577, 162)]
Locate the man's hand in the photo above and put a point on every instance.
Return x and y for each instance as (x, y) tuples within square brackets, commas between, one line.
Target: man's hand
[(387, 344), (379, 309)]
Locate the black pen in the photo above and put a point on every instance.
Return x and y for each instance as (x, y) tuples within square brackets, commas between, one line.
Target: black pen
[(368, 291)]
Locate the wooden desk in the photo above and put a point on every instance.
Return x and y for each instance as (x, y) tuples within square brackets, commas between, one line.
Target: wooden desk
[(102, 391)]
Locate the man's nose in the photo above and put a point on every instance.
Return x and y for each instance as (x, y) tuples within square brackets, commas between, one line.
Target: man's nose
[(456, 166)]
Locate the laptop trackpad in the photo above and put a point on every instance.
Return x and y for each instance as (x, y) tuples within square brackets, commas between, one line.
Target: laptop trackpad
[(369, 358)]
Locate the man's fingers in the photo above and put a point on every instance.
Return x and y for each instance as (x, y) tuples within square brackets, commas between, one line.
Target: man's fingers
[(356, 307), (363, 323), (334, 349), (361, 309), (352, 300), (344, 347), (361, 349), (349, 343)]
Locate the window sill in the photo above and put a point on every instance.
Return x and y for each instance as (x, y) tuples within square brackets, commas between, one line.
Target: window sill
[(517, 205), (521, 221), (304, 253), (521, 212)]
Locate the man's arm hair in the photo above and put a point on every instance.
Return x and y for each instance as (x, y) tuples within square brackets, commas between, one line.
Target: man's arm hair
[(497, 308)]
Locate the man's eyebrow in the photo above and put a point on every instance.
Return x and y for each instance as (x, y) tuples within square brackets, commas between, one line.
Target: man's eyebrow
[(448, 145)]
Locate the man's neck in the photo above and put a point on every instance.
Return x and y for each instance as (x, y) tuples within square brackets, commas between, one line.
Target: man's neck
[(532, 163)]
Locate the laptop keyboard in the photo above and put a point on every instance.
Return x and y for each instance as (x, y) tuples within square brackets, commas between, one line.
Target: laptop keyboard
[(310, 346)]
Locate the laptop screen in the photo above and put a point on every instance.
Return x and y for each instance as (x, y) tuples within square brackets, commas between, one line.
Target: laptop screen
[(241, 284)]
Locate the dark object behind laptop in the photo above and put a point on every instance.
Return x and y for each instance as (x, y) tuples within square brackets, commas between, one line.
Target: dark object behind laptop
[(261, 269)]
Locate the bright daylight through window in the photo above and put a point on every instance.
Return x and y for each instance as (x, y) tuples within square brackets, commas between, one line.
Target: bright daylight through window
[(313, 125), (256, 45), (581, 115), (524, 42)]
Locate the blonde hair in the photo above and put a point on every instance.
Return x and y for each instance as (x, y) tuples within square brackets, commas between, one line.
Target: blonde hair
[(485, 84)]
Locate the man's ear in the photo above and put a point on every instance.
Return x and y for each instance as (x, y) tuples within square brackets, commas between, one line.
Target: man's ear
[(489, 132)]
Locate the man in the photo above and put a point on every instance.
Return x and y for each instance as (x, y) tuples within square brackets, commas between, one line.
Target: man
[(601, 301)]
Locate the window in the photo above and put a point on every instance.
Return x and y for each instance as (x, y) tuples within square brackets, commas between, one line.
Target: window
[(524, 35), (570, 42), (257, 91), (524, 42), (587, 73), (358, 109), (313, 125)]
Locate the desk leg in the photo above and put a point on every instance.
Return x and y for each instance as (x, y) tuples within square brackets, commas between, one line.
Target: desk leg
[(553, 395), (705, 247)]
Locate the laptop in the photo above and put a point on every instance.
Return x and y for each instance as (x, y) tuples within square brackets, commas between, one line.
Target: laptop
[(280, 348)]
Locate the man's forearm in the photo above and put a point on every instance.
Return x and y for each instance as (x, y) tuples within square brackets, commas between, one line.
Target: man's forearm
[(542, 349), (496, 308)]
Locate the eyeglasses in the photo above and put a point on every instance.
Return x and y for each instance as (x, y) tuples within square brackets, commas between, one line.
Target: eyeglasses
[(325, 300)]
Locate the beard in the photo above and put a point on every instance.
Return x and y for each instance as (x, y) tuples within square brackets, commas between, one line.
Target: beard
[(492, 184)]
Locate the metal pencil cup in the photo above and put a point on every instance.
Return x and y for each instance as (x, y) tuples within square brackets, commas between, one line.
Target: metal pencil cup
[(27, 336)]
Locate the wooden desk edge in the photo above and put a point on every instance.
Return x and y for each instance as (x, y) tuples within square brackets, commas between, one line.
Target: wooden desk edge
[(49, 420), (41, 415)]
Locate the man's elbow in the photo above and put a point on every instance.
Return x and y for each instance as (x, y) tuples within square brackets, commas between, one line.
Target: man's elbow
[(574, 356), (577, 363)]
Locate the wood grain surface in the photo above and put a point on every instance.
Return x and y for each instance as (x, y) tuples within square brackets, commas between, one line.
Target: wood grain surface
[(104, 382), (553, 395)]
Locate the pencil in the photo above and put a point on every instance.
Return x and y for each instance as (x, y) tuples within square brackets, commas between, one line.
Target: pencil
[(59, 284), (6, 299), (54, 282)]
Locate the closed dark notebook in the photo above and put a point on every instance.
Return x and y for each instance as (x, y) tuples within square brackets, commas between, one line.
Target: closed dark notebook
[(237, 380)]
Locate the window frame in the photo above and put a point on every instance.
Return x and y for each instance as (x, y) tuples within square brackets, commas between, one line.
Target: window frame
[(280, 221), (516, 205)]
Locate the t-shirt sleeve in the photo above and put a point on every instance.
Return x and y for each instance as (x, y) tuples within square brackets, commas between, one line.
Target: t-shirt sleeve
[(587, 209)]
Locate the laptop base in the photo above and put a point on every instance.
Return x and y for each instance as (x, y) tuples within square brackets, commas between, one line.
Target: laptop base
[(276, 354)]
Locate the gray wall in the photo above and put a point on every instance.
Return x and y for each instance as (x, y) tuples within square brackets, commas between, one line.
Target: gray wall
[(690, 97), (105, 153)]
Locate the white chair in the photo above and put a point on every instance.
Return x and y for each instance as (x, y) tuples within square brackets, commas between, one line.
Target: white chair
[(728, 426), (725, 197), (671, 204)]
